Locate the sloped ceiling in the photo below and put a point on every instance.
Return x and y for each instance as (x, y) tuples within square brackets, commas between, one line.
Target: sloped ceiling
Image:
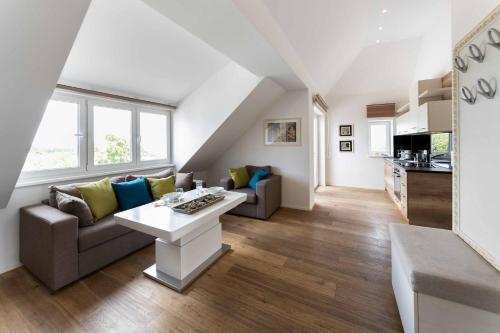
[(328, 35), (126, 46), (379, 68), (225, 26)]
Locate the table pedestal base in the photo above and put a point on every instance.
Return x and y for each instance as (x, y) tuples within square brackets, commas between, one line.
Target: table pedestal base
[(180, 262), (180, 285)]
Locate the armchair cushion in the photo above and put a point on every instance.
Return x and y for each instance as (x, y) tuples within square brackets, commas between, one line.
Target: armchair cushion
[(240, 177), (252, 168), (251, 195), (257, 176)]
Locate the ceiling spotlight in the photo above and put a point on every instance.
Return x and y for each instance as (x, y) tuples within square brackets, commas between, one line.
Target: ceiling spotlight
[(384, 11), (377, 41), (380, 28)]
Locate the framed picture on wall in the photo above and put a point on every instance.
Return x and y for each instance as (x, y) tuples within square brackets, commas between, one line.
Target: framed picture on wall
[(282, 132), (346, 145), (345, 130)]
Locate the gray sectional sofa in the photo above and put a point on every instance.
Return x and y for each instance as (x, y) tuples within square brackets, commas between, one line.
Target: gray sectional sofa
[(57, 251)]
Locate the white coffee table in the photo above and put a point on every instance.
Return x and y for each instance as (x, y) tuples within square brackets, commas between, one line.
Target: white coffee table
[(187, 244)]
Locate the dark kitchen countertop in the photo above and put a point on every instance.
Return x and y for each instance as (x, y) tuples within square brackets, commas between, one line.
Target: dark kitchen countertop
[(419, 169)]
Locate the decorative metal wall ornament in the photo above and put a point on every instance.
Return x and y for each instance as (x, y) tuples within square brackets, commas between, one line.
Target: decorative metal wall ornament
[(486, 89), (476, 53), (494, 36), (460, 64), (469, 96)]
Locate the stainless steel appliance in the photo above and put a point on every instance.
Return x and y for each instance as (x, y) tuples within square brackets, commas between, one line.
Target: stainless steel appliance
[(397, 183), (423, 156), (404, 154)]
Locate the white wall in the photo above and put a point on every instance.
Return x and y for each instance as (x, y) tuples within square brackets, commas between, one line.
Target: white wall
[(293, 163), (466, 14), (9, 219), (200, 114), (36, 38), (354, 169)]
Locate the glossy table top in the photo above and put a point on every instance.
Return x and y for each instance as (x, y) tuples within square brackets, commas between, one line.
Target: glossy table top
[(163, 222)]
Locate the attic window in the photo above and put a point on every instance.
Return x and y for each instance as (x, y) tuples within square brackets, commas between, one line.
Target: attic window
[(81, 136), (56, 145)]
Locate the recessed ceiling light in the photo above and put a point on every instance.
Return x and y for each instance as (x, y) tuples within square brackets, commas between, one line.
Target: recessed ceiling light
[(377, 41), (384, 11), (380, 28)]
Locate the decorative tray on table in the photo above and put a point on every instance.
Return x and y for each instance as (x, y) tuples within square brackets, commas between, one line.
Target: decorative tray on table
[(195, 205)]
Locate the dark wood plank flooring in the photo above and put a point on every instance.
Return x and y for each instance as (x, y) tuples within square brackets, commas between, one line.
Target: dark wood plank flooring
[(322, 271)]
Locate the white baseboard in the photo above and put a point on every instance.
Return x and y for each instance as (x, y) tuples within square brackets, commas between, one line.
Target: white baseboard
[(297, 207), (9, 268)]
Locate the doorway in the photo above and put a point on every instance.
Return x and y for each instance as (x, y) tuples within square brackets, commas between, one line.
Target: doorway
[(319, 146)]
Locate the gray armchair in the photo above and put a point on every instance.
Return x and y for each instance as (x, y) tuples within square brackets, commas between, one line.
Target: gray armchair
[(262, 202)]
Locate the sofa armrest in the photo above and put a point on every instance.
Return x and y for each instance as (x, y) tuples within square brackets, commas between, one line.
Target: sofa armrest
[(268, 193), (227, 183), (49, 244), (203, 183)]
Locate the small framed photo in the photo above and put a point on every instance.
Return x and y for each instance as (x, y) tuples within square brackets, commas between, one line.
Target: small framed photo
[(282, 132), (345, 130), (346, 145)]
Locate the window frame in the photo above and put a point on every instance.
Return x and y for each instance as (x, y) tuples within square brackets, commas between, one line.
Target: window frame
[(86, 166), (82, 144), (90, 137), (140, 110), (389, 136)]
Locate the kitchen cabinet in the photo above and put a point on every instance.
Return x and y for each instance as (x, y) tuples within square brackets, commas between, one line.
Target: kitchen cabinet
[(389, 176), (407, 123), (429, 199), (429, 109), (389, 180), (435, 116), (425, 197)]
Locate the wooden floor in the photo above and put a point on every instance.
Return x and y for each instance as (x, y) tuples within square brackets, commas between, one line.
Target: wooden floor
[(322, 271)]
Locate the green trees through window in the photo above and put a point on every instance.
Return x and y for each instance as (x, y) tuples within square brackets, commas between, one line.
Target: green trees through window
[(117, 151), (440, 143)]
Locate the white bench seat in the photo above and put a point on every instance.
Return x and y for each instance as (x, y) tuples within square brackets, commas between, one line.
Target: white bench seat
[(441, 284)]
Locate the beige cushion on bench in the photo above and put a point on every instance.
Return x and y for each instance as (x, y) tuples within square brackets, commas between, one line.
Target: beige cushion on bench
[(438, 263)]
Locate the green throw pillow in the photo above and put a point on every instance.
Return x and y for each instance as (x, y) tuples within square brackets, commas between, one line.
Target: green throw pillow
[(161, 186), (100, 197), (240, 177)]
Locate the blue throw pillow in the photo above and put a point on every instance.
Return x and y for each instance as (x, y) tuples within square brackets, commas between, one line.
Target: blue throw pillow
[(132, 194), (257, 176)]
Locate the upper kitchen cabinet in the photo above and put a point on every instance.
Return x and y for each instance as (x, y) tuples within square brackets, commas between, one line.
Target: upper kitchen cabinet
[(429, 108), (434, 116)]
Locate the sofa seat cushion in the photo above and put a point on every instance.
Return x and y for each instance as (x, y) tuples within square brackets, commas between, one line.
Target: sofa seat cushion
[(251, 196), (101, 232), (438, 263)]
